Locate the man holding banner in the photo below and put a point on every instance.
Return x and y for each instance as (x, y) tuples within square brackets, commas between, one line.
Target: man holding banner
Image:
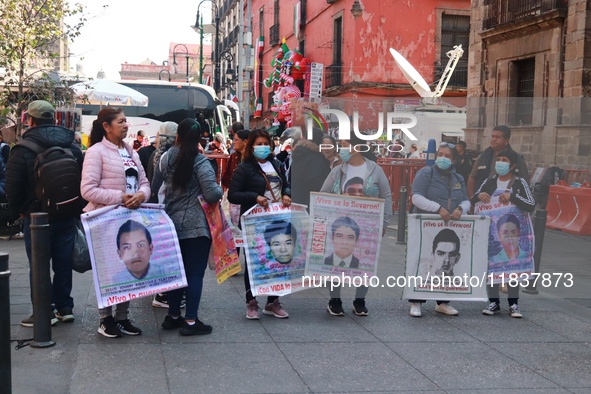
[(507, 199)]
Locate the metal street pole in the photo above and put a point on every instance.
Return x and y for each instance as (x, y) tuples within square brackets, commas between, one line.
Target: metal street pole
[(187, 72), (201, 51), (217, 52), (5, 360), (41, 280)]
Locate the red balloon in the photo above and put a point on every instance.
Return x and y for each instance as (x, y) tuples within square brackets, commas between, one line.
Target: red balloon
[(302, 64)]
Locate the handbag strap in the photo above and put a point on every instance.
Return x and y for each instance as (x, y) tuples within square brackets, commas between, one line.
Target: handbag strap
[(269, 188)]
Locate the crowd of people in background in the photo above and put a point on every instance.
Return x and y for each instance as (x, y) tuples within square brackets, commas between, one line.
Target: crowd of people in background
[(171, 168)]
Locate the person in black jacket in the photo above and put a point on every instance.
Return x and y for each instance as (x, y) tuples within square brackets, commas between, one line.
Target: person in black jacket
[(515, 190), (309, 168), (20, 191), (259, 180)]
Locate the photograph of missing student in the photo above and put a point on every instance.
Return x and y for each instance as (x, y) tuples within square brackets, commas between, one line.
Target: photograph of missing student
[(448, 258), (346, 234), (134, 253), (275, 243), (511, 244)]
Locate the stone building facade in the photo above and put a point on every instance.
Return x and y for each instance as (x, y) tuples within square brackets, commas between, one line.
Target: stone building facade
[(530, 68)]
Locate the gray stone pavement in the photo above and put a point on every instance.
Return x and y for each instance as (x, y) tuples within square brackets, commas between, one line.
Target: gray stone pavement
[(548, 351)]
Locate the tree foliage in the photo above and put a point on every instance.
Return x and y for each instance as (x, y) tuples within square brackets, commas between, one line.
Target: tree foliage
[(31, 32)]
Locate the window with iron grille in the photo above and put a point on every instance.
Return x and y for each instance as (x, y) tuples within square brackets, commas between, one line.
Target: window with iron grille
[(455, 30), (525, 72)]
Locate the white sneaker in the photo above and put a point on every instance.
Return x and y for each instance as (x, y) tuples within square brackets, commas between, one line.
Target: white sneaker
[(515, 312), (446, 309), (415, 309)]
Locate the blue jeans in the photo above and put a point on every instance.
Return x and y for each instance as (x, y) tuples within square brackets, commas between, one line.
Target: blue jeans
[(195, 252), (62, 235)]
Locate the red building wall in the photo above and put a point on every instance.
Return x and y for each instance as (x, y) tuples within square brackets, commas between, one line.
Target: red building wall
[(368, 70)]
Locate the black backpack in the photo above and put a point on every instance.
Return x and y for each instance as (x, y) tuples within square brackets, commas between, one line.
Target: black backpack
[(57, 177)]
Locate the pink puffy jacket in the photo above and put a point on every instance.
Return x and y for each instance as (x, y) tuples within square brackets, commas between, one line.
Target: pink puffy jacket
[(103, 175)]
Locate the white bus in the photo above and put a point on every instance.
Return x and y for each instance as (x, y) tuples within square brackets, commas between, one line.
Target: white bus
[(168, 101)]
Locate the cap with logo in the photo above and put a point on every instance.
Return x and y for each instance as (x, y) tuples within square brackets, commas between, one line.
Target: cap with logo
[(41, 109)]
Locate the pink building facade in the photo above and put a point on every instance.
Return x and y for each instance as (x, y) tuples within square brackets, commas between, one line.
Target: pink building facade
[(351, 38)]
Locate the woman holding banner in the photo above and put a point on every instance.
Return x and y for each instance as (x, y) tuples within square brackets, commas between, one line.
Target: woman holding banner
[(259, 180), (512, 189), (104, 183), (187, 174), (356, 176), (439, 189)]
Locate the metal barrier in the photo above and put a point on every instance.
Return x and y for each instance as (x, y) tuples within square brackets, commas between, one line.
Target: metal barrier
[(400, 172), (5, 361)]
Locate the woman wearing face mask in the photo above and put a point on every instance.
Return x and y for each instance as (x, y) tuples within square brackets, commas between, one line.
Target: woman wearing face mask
[(259, 180), (439, 189), (356, 167), (515, 190)]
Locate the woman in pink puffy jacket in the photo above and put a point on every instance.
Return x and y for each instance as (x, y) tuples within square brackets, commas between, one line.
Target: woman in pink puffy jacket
[(112, 174)]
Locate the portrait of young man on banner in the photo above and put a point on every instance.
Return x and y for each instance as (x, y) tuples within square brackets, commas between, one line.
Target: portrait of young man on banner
[(511, 244), (346, 234), (134, 253), (275, 247), (446, 259)]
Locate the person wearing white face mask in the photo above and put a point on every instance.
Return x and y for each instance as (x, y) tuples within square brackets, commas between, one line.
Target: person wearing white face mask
[(514, 190), (259, 179), (439, 189)]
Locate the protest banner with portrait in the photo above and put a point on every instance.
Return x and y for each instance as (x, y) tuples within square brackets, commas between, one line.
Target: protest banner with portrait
[(446, 260), (346, 235), (275, 245), (134, 253), (223, 254), (511, 242)]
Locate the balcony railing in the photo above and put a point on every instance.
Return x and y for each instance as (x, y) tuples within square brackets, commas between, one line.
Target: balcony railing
[(274, 35), (333, 75), (506, 11)]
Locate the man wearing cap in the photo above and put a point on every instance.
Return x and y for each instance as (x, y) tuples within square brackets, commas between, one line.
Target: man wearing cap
[(20, 191)]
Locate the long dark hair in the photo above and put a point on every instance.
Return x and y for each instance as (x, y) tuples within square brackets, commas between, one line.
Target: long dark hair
[(254, 134), (107, 114), (189, 134)]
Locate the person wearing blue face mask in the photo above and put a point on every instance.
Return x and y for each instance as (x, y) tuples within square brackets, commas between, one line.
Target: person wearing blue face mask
[(259, 179), (440, 189), (511, 189), (358, 176)]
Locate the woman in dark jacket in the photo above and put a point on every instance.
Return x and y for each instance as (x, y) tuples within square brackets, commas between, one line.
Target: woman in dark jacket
[(259, 180)]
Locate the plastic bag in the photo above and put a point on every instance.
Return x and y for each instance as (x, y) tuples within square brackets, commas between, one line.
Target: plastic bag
[(80, 255)]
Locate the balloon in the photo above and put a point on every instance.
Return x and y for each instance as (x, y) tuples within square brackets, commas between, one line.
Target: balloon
[(298, 71)]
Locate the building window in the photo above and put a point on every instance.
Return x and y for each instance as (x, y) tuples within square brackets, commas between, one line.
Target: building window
[(524, 74), (276, 12), (274, 30), (455, 30)]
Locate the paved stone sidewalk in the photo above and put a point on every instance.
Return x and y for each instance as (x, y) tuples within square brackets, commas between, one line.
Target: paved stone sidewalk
[(548, 351)]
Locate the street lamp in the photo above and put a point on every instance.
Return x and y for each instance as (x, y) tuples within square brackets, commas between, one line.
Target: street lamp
[(229, 74), (163, 71), (174, 63), (356, 10), (216, 82)]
